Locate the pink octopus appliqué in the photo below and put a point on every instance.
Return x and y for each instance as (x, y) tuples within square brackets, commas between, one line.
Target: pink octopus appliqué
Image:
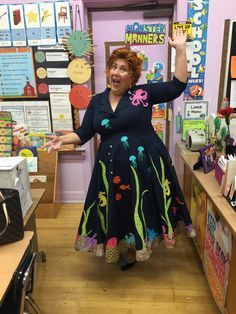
[(138, 97)]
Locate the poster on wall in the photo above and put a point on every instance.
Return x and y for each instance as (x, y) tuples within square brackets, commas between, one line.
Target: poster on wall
[(17, 77), (51, 65), (198, 215), (217, 255), (145, 34), (33, 115), (156, 74), (197, 14), (5, 33)]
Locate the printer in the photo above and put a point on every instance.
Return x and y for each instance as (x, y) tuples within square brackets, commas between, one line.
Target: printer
[(195, 139)]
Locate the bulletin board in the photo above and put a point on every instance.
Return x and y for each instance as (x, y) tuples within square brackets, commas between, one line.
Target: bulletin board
[(227, 86), (51, 65)]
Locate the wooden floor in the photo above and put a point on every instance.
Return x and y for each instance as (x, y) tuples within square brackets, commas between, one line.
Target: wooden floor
[(171, 282)]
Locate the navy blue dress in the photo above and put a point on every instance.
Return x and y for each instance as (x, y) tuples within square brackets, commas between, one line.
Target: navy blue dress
[(134, 198)]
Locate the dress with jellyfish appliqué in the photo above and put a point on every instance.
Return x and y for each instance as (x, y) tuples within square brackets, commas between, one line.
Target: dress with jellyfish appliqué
[(134, 199)]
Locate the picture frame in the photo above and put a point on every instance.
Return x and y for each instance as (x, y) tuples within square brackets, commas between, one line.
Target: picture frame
[(208, 157), (196, 109)]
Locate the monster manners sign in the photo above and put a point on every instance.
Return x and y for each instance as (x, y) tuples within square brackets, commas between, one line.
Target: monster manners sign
[(198, 15), (145, 34)]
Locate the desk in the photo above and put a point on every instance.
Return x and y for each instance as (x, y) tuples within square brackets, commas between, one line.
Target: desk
[(29, 219), (219, 217), (10, 257)]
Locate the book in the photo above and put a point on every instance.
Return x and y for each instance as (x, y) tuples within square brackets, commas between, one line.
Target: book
[(208, 157), (37, 139), (26, 151)]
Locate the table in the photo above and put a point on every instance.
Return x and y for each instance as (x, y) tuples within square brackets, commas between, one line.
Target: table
[(10, 257)]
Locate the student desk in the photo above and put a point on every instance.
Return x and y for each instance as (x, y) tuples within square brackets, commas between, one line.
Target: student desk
[(30, 220), (10, 257)]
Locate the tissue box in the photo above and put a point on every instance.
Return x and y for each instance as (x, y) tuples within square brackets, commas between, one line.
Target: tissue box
[(218, 173), (14, 175)]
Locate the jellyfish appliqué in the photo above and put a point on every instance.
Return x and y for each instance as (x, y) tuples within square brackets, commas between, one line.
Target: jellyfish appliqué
[(106, 123), (140, 153), (133, 162), (124, 140)]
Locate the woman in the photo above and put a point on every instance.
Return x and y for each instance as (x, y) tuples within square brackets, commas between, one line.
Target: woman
[(134, 198)]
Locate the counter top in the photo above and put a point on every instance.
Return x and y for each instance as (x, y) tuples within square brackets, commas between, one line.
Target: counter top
[(212, 188)]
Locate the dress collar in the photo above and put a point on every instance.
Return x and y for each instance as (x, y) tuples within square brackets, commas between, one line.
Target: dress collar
[(123, 102)]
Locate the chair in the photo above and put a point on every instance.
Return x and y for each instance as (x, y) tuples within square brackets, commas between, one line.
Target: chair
[(62, 14), (19, 300)]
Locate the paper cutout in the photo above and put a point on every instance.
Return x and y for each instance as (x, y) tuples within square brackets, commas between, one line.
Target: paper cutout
[(185, 26), (79, 97), (79, 44), (79, 71)]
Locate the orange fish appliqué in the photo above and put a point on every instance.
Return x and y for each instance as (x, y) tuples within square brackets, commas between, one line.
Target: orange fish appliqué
[(125, 187), (118, 196), (116, 179)]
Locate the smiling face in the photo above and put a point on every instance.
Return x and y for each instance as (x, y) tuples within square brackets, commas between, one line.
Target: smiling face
[(119, 77)]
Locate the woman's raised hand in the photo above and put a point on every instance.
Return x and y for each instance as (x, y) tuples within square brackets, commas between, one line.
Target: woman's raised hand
[(178, 39), (54, 143)]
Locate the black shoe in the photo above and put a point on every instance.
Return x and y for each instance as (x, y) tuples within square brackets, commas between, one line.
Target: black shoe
[(125, 265)]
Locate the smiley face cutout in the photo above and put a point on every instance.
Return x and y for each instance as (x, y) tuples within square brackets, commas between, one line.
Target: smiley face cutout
[(79, 71)]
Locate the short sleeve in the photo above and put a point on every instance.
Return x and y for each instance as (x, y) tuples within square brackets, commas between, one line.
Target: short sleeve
[(165, 91), (86, 130)]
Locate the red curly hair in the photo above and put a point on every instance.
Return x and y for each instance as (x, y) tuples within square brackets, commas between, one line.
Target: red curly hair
[(131, 57)]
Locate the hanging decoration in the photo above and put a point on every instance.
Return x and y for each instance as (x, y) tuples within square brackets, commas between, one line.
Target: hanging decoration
[(79, 44), (197, 14), (79, 71), (79, 97)]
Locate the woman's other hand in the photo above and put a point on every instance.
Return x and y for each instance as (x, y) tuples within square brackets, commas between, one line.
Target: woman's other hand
[(178, 39), (54, 143)]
